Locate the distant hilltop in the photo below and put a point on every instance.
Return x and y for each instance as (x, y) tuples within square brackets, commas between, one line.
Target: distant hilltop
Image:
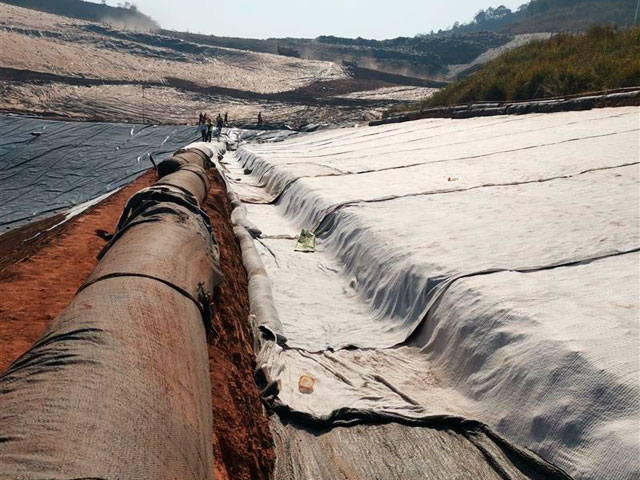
[(551, 16), (126, 16)]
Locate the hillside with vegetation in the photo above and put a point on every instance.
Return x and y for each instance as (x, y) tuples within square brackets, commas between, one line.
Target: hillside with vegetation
[(551, 16), (605, 57)]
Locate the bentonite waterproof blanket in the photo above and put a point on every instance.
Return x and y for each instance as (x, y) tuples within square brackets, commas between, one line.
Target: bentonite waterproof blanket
[(485, 268), (49, 166), (118, 385)]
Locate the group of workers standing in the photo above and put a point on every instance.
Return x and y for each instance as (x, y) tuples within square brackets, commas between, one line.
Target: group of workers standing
[(205, 124)]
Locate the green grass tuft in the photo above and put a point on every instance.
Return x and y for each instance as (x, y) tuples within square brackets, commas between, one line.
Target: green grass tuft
[(602, 58)]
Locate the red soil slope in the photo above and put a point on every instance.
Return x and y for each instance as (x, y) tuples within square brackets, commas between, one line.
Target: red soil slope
[(243, 447)]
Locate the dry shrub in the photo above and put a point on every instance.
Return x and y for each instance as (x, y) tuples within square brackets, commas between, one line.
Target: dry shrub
[(604, 57)]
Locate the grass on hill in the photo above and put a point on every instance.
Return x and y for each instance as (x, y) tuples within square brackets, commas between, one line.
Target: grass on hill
[(602, 58)]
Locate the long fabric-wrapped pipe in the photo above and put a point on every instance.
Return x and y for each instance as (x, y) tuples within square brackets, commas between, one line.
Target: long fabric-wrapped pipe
[(192, 156), (118, 385)]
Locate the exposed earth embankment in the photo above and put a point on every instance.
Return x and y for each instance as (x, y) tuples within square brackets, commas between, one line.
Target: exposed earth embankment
[(56, 66)]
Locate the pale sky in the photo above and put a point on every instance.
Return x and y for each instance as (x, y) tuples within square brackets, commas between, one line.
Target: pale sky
[(377, 19)]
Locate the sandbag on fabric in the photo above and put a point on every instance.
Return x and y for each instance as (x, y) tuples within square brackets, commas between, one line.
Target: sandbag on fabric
[(118, 386)]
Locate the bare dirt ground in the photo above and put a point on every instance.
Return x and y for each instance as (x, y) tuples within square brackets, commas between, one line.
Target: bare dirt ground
[(394, 93), (166, 105), (43, 42), (40, 275), (55, 66), (243, 448)]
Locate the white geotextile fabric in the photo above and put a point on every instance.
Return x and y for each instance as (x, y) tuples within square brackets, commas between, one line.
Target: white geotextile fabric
[(437, 140), (488, 210), (487, 357), (551, 358)]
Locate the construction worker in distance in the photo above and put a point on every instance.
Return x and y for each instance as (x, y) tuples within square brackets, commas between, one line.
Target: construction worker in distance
[(219, 124), (209, 129), (259, 118), (202, 126)]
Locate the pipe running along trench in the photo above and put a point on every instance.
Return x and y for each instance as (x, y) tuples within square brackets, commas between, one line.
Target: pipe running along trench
[(118, 385)]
